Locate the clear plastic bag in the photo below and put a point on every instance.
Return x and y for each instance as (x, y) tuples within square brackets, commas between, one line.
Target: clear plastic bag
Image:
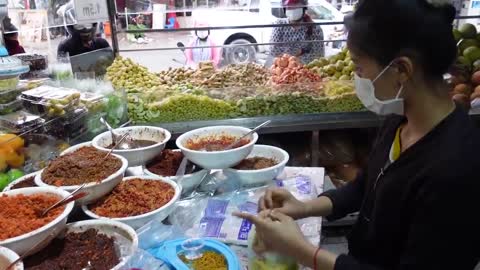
[(142, 260), (267, 260), (154, 233), (212, 216)]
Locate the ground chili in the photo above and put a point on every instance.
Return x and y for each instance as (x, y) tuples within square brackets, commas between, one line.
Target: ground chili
[(134, 197), (87, 164), (256, 163), (215, 143), (75, 251), (167, 163), (19, 213)]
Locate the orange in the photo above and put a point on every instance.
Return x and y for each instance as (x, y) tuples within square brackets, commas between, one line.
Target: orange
[(11, 140), (12, 158)]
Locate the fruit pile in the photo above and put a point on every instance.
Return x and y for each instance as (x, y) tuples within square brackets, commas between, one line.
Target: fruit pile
[(208, 93), (335, 67), (465, 72), (179, 107), (287, 69), (125, 74), (11, 156), (173, 76)]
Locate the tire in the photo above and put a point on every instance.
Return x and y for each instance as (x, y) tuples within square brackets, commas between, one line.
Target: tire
[(240, 54)]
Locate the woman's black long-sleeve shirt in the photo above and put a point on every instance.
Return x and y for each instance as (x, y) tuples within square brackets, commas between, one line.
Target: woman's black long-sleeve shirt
[(421, 211)]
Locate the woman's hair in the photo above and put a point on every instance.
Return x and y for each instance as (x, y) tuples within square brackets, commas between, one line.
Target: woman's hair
[(386, 29)]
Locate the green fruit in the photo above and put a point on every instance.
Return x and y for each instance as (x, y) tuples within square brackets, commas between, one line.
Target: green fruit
[(472, 53), (464, 44), (14, 174), (464, 61), (340, 65), (344, 77), (457, 35), (476, 65), (468, 30), (4, 180)]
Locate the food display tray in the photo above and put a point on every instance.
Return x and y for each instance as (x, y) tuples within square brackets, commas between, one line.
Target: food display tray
[(10, 107)]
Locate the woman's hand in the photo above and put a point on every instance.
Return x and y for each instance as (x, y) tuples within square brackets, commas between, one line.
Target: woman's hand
[(280, 233), (283, 201)]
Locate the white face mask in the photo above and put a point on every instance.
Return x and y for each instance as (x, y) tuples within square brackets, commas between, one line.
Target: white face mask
[(294, 14), (202, 34), (366, 93)]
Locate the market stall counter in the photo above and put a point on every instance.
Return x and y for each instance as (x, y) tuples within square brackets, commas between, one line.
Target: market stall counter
[(199, 210)]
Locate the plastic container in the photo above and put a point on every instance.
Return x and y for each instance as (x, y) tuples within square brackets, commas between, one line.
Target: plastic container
[(93, 102), (50, 100), (70, 125), (35, 62), (19, 122), (10, 107), (10, 70), (9, 95), (171, 250), (62, 69)]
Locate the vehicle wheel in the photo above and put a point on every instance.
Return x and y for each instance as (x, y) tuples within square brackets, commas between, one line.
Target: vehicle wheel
[(240, 54)]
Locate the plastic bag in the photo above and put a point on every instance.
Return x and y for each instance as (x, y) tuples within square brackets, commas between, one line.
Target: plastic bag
[(267, 260), (154, 233), (212, 217), (142, 260)]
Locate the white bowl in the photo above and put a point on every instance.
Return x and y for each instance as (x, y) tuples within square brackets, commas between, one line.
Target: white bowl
[(8, 256), (140, 220), (263, 176), (109, 228), (21, 179), (217, 159), (22, 243), (95, 190), (189, 181), (138, 156)]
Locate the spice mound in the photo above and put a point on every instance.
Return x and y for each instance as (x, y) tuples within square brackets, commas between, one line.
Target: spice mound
[(77, 251), (19, 213), (209, 261), (29, 182), (256, 163), (167, 163), (215, 143), (87, 164), (134, 197)]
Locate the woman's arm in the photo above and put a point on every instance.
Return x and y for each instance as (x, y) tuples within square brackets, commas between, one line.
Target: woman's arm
[(433, 242), (344, 200)]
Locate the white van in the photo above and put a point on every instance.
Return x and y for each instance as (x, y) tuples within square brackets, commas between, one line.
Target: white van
[(259, 13)]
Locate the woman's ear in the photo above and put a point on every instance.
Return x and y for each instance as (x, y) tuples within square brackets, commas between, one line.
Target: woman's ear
[(404, 68)]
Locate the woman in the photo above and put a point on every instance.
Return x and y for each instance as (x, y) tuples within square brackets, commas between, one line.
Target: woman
[(297, 40), (202, 48), (82, 39), (11, 38), (420, 189), (138, 24)]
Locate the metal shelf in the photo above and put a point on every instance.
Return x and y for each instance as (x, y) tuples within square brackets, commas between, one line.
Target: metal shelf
[(290, 123), (286, 123)]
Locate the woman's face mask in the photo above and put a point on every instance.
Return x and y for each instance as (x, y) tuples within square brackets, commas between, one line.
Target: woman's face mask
[(294, 14), (365, 90), (202, 34)]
